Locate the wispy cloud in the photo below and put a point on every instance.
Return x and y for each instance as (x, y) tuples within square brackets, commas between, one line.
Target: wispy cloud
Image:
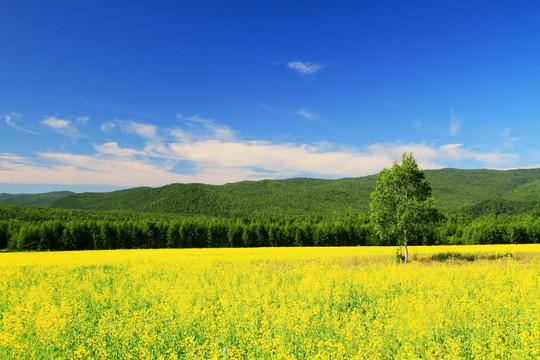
[(263, 106), (307, 114), (10, 121), (56, 123), (112, 149), (135, 128), (276, 160), (146, 131), (108, 127), (82, 119), (6, 158), (455, 123), (207, 128), (69, 169), (214, 155), (509, 141), (304, 67), (65, 126), (494, 159)]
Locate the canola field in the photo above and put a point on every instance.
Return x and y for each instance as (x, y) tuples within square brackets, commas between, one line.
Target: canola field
[(270, 303)]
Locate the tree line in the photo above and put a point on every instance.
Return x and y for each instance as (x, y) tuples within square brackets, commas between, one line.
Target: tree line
[(202, 232)]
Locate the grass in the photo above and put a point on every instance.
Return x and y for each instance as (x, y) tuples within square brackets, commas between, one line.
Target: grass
[(457, 256)]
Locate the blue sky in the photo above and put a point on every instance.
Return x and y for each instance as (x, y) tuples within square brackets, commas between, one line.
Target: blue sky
[(101, 95)]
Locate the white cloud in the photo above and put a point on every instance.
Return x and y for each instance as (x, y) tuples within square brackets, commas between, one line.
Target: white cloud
[(277, 160), (112, 149), (55, 168), (10, 121), (430, 156), (143, 130), (304, 67), (207, 128), (425, 153), (64, 126), (6, 158), (56, 123), (147, 131), (215, 156), (181, 135), (492, 159), (108, 127)]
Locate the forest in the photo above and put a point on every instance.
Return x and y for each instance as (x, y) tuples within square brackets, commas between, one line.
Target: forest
[(27, 228), (475, 207)]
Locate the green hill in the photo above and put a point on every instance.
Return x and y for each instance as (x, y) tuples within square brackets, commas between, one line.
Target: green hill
[(45, 199), (458, 190), (473, 191), (268, 197)]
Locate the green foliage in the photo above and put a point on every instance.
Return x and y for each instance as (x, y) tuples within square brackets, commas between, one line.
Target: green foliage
[(45, 199), (497, 207), (501, 206), (471, 191), (332, 230), (26, 213), (401, 206), (247, 198), (198, 232), (458, 190)]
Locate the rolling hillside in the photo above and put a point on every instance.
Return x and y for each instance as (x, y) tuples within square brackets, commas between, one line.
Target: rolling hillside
[(268, 197), (45, 199), (474, 191)]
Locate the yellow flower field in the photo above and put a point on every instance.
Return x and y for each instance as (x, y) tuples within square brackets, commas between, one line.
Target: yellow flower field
[(270, 303)]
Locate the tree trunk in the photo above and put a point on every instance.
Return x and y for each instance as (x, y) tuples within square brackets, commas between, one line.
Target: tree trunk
[(405, 245)]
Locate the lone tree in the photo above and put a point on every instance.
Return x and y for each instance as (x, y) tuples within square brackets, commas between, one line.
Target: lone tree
[(401, 205)]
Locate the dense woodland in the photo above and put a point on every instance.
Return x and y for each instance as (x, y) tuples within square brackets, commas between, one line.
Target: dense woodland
[(477, 207), (26, 228)]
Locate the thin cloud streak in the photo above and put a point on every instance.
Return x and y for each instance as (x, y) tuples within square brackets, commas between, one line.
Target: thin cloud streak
[(207, 128), (306, 114), (304, 67), (9, 120)]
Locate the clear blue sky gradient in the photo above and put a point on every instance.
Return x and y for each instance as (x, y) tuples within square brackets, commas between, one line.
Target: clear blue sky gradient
[(100, 95)]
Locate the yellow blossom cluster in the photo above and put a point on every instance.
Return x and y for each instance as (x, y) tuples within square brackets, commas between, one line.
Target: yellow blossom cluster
[(270, 303)]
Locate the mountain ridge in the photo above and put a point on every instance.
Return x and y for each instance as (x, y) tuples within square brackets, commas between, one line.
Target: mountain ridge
[(43, 199), (476, 191), (454, 190)]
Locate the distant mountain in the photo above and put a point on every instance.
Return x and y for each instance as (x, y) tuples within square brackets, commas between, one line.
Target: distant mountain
[(474, 191), (45, 199), (267, 197)]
